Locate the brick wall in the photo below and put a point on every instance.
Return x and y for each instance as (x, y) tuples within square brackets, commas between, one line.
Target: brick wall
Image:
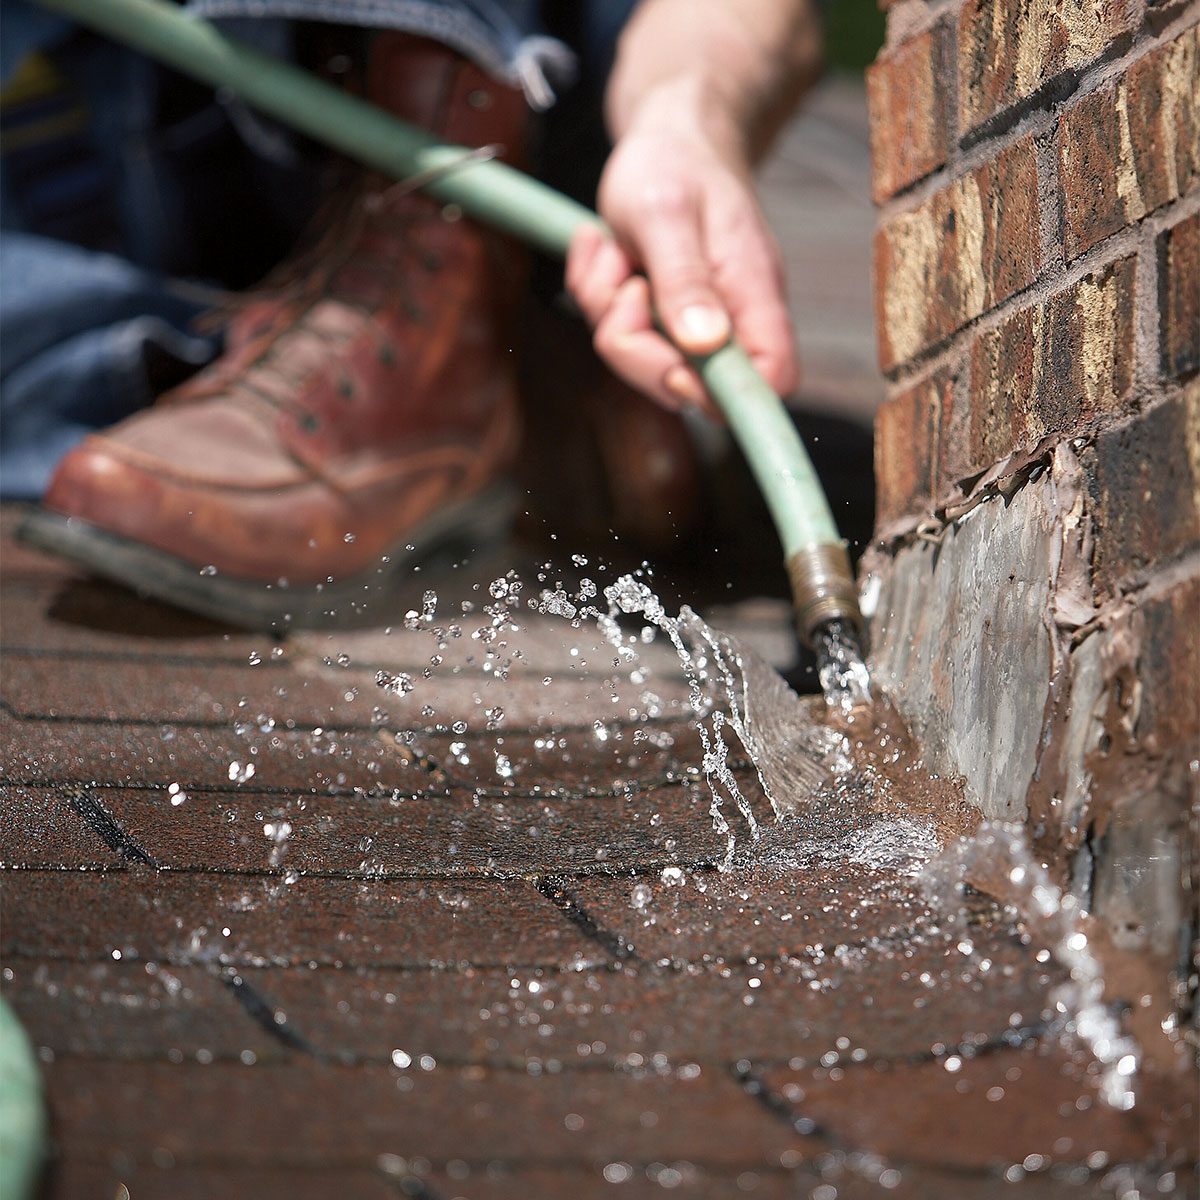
[(1036, 578)]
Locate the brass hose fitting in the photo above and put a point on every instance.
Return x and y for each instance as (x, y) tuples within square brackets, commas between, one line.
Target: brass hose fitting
[(823, 588)]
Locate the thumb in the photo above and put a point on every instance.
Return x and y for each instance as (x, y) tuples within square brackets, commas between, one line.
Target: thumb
[(672, 249)]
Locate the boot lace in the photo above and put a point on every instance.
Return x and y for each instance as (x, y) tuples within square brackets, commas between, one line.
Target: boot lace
[(297, 285)]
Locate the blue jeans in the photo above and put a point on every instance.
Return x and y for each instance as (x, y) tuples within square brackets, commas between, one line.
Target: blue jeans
[(106, 234)]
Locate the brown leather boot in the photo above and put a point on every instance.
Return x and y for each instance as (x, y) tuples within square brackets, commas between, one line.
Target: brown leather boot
[(366, 410)]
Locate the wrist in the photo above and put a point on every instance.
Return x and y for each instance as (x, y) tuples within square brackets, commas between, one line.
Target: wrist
[(693, 107)]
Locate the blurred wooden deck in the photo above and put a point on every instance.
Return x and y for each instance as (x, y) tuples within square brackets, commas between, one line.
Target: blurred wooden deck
[(816, 189)]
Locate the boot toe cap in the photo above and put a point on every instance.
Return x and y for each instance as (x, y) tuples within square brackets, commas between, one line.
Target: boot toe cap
[(95, 484)]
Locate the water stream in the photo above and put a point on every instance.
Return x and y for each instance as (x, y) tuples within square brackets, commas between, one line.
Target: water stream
[(794, 784)]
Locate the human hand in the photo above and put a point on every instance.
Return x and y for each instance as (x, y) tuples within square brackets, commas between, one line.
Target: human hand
[(678, 197)]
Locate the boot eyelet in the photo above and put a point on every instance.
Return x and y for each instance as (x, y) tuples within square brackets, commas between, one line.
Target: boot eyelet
[(309, 422), (479, 99), (346, 387)]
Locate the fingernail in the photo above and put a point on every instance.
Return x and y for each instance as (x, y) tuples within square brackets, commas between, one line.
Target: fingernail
[(682, 383), (703, 325)]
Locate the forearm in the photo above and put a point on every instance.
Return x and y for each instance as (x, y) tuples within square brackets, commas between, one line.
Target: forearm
[(736, 68)]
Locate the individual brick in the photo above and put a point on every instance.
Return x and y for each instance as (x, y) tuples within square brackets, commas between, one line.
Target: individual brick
[(135, 1010), (90, 689), (713, 1016), (520, 1182), (49, 752), (1054, 365), (1132, 146), (909, 113), (137, 755), (993, 1109), (1169, 669), (1009, 52), (544, 642), (298, 1113), (43, 828), (967, 248), (1144, 481), (158, 689), (908, 441), (166, 1181), (1179, 298), (498, 1180), (183, 918), (737, 918), (577, 761), (706, 1015), (449, 835)]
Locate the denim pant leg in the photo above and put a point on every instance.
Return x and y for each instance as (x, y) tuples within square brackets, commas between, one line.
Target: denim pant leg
[(504, 37), (87, 338), (98, 227)]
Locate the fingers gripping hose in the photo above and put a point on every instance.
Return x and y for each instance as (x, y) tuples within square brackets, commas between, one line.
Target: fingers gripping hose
[(497, 194)]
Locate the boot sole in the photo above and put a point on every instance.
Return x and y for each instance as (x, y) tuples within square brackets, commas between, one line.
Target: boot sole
[(449, 534)]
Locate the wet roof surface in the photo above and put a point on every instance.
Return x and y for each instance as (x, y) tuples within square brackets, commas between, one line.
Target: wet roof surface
[(450, 984), (445, 984)]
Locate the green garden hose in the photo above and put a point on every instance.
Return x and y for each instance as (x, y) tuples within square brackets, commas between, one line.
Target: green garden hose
[(22, 1118), (495, 193)]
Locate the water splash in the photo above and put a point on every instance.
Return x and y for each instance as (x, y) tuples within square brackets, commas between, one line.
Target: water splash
[(998, 862), (277, 833), (841, 669), (821, 807), (704, 656)]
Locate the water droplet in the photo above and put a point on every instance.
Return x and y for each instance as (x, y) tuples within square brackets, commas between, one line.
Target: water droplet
[(398, 684)]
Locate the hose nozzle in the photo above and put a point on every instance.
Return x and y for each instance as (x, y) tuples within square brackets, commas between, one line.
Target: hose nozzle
[(823, 588)]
